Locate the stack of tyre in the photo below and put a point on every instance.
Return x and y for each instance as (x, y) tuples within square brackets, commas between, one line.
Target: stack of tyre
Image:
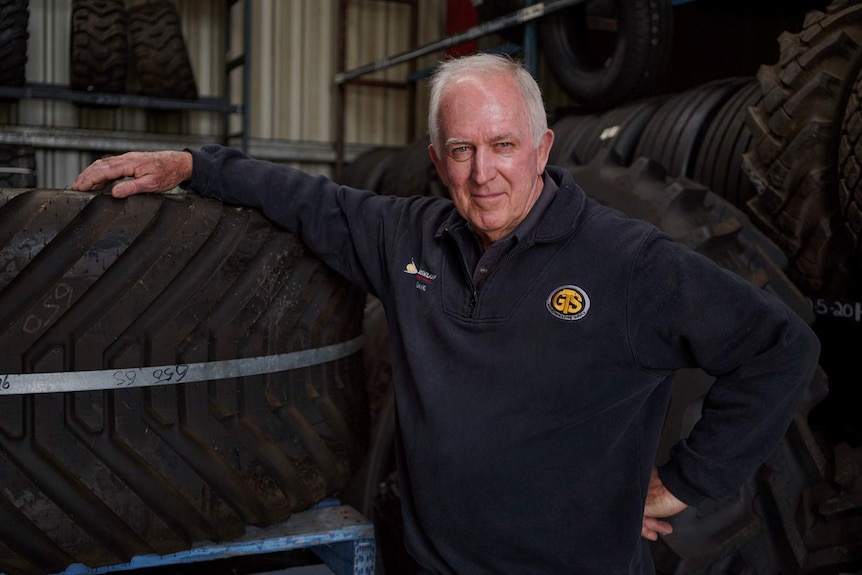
[(17, 163), (137, 49), (764, 176)]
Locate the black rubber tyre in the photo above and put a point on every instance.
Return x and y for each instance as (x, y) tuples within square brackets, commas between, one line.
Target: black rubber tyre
[(850, 178), (17, 167), (676, 130), (14, 15), (411, 172), (366, 171), (161, 59), (99, 46), (796, 514), (580, 137), (601, 52), (88, 282), (719, 160), (600, 69), (374, 488), (797, 128)]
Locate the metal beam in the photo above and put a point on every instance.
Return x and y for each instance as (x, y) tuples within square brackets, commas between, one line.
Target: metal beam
[(112, 141), (515, 18)]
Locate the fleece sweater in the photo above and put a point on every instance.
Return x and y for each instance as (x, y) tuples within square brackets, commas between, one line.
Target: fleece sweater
[(530, 406)]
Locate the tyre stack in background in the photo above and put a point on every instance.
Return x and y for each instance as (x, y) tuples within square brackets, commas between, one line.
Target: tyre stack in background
[(17, 163), (137, 49), (763, 175)]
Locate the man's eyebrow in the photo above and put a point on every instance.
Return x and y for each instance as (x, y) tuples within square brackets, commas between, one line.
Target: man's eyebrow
[(497, 138)]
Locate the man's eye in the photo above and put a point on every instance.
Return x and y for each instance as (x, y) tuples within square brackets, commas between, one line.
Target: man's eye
[(460, 151), (504, 145)]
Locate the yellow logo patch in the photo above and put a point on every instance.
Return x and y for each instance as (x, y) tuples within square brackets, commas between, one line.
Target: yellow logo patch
[(568, 303)]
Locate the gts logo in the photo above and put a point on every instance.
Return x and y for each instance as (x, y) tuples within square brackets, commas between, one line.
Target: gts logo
[(568, 303)]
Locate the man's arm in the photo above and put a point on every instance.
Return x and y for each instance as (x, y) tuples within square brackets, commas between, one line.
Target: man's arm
[(687, 312), (150, 172), (340, 225)]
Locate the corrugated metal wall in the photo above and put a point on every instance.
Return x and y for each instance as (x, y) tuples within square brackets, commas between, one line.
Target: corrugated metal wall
[(293, 97)]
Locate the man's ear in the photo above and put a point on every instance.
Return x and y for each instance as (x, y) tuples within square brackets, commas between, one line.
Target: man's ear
[(544, 150), (438, 163)]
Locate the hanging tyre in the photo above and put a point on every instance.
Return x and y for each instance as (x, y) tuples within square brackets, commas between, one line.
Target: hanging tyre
[(14, 15), (601, 52), (793, 163), (606, 52), (161, 59), (99, 46), (99, 476)]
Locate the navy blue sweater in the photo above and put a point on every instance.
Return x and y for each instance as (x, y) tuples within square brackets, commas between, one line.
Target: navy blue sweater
[(530, 409)]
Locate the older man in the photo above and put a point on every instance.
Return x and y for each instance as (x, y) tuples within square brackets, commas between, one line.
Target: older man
[(534, 337)]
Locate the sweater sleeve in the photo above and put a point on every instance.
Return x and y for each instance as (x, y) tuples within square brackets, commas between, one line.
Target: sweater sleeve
[(341, 225), (686, 311)]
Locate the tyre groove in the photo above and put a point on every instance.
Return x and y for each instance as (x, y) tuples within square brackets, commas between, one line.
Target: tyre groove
[(89, 512), (141, 478)]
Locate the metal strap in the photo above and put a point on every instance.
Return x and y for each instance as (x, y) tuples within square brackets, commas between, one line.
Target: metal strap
[(124, 378)]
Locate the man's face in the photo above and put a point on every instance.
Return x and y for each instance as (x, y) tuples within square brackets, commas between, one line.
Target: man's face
[(488, 161)]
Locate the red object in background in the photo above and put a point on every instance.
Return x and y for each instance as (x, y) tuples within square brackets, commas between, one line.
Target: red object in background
[(460, 15)]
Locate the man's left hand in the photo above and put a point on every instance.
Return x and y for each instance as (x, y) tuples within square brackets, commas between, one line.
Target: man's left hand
[(660, 503)]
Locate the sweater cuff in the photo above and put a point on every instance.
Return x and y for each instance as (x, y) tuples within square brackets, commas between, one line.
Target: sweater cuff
[(672, 479), (201, 164)]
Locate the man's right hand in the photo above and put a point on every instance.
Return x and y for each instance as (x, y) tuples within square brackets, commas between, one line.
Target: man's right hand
[(150, 172)]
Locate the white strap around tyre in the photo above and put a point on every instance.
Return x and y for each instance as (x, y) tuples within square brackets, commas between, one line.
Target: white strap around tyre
[(124, 378)]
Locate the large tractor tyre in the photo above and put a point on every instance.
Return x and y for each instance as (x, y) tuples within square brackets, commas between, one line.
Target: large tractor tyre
[(850, 177), (17, 167), (161, 60), (796, 514), (719, 159), (793, 164), (138, 293), (14, 15), (99, 46), (676, 130), (601, 52)]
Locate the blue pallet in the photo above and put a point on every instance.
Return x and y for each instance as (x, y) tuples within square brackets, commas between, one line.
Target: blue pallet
[(341, 536)]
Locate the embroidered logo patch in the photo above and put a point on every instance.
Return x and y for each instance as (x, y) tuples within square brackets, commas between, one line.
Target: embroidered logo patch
[(424, 278), (568, 303)]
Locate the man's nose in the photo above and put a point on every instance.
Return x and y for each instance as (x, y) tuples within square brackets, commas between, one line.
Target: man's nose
[(483, 166)]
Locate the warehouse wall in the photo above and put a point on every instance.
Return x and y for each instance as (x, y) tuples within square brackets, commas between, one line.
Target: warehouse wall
[(293, 96)]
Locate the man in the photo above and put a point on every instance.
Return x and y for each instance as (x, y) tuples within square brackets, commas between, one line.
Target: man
[(534, 337)]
